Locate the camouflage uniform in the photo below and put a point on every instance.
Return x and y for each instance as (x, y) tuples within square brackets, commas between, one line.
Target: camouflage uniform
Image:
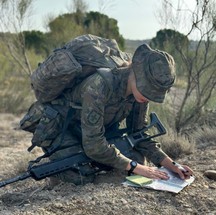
[(102, 108), (104, 105)]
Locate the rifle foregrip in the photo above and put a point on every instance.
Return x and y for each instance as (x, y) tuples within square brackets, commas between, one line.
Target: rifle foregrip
[(51, 168)]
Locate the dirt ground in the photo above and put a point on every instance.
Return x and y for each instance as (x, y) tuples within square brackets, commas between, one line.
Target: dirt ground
[(106, 195)]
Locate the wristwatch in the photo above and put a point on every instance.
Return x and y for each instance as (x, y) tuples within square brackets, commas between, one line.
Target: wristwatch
[(133, 165)]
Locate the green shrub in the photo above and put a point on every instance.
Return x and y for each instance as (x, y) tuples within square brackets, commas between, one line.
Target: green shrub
[(15, 90), (15, 95)]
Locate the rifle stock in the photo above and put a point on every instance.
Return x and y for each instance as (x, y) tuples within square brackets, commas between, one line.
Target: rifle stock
[(140, 136), (124, 143)]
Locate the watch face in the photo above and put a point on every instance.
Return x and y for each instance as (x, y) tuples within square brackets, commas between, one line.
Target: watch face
[(133, 163)]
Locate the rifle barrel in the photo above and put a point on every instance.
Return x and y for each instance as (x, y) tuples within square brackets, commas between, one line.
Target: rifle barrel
[(17, 178)]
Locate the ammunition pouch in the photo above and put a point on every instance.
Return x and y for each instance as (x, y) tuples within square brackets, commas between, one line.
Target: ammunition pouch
[(45, 122)]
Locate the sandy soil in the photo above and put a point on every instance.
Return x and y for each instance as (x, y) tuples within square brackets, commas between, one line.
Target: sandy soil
[(106, 195)]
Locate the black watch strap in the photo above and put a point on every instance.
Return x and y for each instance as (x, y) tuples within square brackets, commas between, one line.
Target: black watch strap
[(133, 165)]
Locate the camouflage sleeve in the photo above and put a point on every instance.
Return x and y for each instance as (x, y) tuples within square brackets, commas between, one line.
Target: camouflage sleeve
[(137, 118), (152, 151), (94, 97)]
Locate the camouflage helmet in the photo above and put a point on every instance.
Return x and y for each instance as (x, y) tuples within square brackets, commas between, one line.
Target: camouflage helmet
[(154, 71)]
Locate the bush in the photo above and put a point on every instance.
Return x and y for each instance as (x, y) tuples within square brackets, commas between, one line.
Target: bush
[(205, 136), (15, 95), (176, 145)]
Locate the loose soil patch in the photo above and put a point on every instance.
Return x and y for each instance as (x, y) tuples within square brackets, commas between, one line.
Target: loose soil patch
[(106, 195)]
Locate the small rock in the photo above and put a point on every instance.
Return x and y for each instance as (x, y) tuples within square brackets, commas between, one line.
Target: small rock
[(124, 201), (211, 174), (212, 186), (189, 210)]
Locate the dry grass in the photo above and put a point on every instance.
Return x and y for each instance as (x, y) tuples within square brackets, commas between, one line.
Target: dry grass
[(177, 145), (22, 165), (205, 136), (180, 83)]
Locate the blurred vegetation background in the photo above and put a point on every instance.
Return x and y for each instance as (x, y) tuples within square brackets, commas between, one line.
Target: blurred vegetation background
[(192, 100)]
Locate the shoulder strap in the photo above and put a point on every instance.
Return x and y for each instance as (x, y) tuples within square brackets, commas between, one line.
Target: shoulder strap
[(107, 75)]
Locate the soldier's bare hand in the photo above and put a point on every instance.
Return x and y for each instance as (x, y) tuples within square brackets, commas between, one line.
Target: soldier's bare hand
[(150, 172)]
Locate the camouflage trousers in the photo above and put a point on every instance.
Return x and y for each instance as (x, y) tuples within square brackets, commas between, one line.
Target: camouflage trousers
[(72, 145)]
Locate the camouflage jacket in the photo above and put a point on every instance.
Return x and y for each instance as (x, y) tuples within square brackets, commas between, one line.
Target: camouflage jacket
[(101, 108)]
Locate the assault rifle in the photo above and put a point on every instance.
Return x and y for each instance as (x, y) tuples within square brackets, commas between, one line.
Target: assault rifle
[(125, 143)]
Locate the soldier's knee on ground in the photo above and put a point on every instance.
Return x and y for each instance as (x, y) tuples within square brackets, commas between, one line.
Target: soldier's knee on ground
[(77, 177)]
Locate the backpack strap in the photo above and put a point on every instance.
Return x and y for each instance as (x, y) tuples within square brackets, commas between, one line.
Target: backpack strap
[(68, 118), (107, 75)]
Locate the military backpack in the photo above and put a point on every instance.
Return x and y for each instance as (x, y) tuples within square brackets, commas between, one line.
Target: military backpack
[(70, 64), (65, 68)]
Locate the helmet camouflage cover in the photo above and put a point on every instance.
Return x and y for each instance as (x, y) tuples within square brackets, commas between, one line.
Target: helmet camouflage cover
[(154, 71)]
